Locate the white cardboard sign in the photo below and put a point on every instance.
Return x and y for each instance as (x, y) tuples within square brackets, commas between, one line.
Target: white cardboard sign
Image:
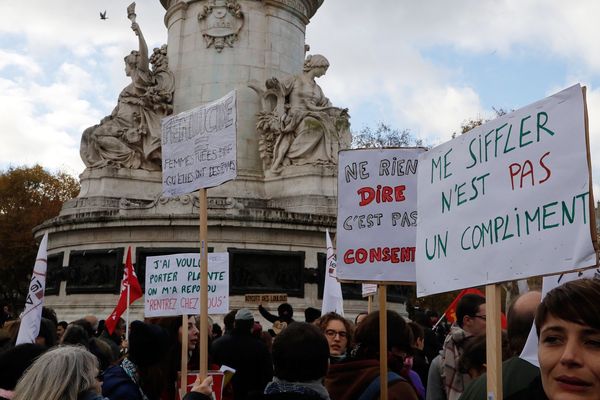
[(508, 200), (199, 147), (377, 214), (173, 284)]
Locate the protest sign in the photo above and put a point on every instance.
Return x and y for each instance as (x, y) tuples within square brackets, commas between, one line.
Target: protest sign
[(199, 147), (369, 289), (377, 214), (508, 200), (173, 284)]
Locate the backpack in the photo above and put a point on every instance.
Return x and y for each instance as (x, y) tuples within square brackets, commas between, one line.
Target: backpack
[(372, 391)]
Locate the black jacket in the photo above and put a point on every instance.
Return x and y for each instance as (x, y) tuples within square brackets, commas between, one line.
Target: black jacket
[(249, 357)]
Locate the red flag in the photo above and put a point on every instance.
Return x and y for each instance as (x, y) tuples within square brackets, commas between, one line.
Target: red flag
[(450, 312), (130, 281)]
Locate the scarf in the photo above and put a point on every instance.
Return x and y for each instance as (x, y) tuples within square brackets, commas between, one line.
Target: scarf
[(454, 380), (131, 370), (312, 388)]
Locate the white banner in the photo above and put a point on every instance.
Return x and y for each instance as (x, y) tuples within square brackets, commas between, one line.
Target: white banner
[(31, 317), (333, 301), (173, 284), (199, 147), (508, 200), (377, 214)]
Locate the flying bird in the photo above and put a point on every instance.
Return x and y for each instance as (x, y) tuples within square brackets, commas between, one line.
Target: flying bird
[(103, 15)]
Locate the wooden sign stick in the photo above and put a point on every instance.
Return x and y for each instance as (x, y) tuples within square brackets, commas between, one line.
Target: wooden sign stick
[(184, 355), (493, 331), (383, 359), (203, 211), (370, 304)]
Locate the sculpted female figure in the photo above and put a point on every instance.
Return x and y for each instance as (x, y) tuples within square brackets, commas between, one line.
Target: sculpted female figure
[(130, 136), (307, 129)]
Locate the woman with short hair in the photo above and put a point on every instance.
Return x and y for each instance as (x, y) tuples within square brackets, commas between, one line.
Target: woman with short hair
[(568, 326)]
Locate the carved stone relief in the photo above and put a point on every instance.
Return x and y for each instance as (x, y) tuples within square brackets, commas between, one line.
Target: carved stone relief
[(297, 123), (220, 23), (130, 136)]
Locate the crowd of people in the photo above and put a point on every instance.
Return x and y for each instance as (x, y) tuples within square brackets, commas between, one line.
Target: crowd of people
[(327, 357)]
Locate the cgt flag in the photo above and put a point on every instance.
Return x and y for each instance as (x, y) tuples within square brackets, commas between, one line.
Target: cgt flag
[(450, 312), (31, 317), (130, 290), (332, 292)]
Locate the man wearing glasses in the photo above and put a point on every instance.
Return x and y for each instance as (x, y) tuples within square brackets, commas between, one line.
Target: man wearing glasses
[(470, 322)]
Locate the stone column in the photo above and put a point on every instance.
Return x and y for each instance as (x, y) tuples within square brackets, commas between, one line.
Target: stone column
[(215, 46)]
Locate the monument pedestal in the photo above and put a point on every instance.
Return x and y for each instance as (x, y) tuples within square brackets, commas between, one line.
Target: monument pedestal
[(272, 225)]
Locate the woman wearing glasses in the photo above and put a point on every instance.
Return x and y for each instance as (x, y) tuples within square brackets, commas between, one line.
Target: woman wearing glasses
[(338, 332), (359, 375)]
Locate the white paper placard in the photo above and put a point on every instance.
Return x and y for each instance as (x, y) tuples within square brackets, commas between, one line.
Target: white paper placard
[(199, 147), (172, 284), (369, 289), (377, 214), (507, 200)]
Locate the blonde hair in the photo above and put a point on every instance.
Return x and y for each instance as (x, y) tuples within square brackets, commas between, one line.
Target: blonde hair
[(59, 374)]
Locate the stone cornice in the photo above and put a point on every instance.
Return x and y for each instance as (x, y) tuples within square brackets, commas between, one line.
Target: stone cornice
[(304, 9)]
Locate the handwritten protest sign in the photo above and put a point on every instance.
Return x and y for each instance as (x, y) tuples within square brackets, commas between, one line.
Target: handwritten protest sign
[(377, 214), (508, 200), (199, 147), (173, 284), (369, 289)]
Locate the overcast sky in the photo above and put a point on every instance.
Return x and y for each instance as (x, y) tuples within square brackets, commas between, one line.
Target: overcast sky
[(424, 65)]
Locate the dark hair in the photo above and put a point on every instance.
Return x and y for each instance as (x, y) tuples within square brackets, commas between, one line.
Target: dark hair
[(311, 314), (243, 325), (15, 361), (85, 324), (468, 305), (473, 356), (519, 321), (358, 315), (103, 353), (148, 347), (285, 312), (575, 301), (367, 335), (172, 362), (64, 324), (228, 320), (300, 353), (333, 316), (417, 331), (48, 332), (76, 334), (216, 330), (50, 314), (421, 318)]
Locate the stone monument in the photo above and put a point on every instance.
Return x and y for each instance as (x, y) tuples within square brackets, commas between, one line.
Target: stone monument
[(271, 219)]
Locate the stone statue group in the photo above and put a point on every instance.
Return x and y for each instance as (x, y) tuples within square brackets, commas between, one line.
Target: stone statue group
[(297, 123)]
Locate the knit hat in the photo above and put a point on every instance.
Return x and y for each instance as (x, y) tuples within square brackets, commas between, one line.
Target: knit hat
[(148, 344), (244, 314)]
